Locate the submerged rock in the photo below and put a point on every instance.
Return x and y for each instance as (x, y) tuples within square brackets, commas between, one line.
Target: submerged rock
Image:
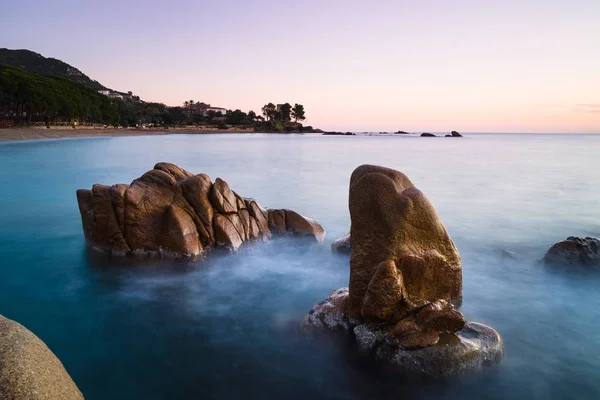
[(405, 280), (574, 251), (342, 245), (169, 211), (428, 342), (427, 134), (28, 369), (471, 349)]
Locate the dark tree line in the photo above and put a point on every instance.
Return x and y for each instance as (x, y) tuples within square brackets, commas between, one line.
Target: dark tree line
[(33, 97), (284, 112)]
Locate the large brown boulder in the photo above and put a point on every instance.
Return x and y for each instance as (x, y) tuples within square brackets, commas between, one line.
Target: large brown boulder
[(170, 211), (28, 369), (405, 280), (400, 248)]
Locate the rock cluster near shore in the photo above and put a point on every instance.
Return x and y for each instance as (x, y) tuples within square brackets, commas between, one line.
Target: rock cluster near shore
[(405, 281), (169, 211), (28, 369)]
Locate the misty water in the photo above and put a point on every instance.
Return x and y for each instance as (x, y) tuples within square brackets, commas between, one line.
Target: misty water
[(226, 328)]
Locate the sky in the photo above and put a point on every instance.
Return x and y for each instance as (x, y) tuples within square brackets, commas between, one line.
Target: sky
[(427, 65)]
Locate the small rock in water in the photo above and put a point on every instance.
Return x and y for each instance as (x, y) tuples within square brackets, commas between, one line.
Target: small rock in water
[(342, 245), (574, 251)]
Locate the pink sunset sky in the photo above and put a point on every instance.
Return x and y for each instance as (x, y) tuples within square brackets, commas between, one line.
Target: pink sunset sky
[(430, 65)]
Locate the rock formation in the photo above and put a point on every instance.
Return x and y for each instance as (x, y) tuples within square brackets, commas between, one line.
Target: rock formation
[(427, 134), (405, 280), (398, 243), (574, 251), (28, 369), (169, 211), (342, 245)]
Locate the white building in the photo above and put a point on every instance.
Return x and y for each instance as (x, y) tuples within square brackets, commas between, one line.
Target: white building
[(218, 110)]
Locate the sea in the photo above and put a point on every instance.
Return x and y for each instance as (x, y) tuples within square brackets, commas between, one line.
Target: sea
[(226, 327)]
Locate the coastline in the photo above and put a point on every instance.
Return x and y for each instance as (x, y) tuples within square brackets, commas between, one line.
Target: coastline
[(22, 134)]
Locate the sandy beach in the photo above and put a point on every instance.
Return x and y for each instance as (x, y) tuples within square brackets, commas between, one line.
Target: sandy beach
[(12, 134)]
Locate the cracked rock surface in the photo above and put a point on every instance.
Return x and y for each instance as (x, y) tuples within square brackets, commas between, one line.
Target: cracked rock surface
[(169, 211)]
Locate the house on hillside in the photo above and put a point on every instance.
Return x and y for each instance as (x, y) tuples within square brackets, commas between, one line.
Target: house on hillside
[(218, 110), (111, 94), (203, 109)]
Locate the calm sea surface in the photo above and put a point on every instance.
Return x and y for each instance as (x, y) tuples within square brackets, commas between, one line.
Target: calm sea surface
[(225, 329)]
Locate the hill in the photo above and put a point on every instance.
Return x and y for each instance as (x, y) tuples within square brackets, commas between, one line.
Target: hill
[(34, 62), (36, 97)]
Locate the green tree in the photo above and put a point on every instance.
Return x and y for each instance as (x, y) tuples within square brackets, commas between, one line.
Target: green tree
[(236, 117), (251, 116), (298, 112), (284, 112), (269, 111)]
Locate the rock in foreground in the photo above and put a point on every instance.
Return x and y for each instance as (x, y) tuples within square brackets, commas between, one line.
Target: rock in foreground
[(28, 369), (170, 212), (405, 280), (575, 251), (402, 257)]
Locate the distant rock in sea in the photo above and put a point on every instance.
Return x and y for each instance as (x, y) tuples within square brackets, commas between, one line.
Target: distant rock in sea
[(455, 134), (574, 251), (427, 134), (405, 282), (29, 369), (170, 212), (401, 133)]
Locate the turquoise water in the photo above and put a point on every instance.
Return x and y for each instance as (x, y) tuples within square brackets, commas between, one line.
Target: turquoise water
[(225, 329)]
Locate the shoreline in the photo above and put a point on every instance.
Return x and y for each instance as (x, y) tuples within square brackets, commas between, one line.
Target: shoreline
[(25, 134)]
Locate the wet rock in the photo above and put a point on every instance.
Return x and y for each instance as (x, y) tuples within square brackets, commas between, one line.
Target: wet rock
[(28, 369), (300, 225), (342, 245), (329, 314), (170, 212), (290, 222), (418, 339), (574, 251), (455, 134), (427, 134), (473, 348), (440, 316)]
